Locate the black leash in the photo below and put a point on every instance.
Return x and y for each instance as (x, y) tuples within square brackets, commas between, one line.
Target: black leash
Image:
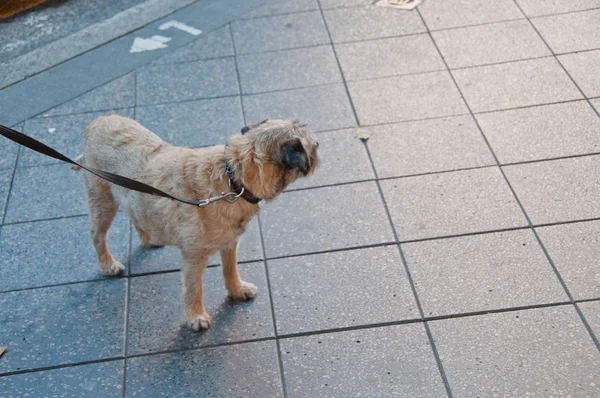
[(116, 179)]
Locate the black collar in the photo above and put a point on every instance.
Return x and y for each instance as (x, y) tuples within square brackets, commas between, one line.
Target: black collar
[(239, 188)]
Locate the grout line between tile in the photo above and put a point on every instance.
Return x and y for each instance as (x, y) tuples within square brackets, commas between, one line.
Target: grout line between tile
[(275, 332), (527, 218), (10, 186), (337, 60), (557, 13)]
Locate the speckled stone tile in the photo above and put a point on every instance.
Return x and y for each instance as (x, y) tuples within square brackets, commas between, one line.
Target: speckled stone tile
[(186, 81), (389, 57), (57, 251), (97, 380), (516, 84), (575, 249), (323, 108), (62, 325), (343, 159), (156, 312), (579, 65), (169, 258), (570, 32), (454, 13), (534, 8), (215, 44), (46, 192), (195, 123), (5, 178), (427, 146), (362, 23), (340, 289), (278, 7), (288, 69), (392, 361), (119, 93), (8, 151), (396, 99), (325, 219), (482, 272), (451, 203), (326, 4), (542, 352), (558, 190), (591, 311), (487, 44), (542, 132), (66, 134), (246, 370), (279, 32), (596, 104)]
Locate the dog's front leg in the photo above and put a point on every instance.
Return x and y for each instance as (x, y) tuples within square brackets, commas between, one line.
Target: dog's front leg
[(193, 268), (237, 288)]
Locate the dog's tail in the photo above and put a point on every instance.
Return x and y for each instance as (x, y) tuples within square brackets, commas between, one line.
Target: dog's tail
[(78, 159)]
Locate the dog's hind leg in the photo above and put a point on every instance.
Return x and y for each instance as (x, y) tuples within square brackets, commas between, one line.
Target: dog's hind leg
[(103, 209), (237, 288)]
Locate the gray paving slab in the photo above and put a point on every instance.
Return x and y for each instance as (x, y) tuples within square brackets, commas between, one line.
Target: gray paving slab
[(541, 352), (215, 44), (343, 159), (542, 132), (481, 273), (194, 123), (326, 4), (490, 43), (558, 190), (340, 289), (5, 180), (279, 32), (323, 107), (427, 146), (57, 251), (279, 7), (451, 203), (581, 66), (119, 93), (288, 69), (156, 308), (389, 57), (574, 249), (455, 13), (66, 134), (248, 370), (596, 104), (62, 325), (390, 361), (591, 311), (169, 258), (363, 23), (534, 8), (8, 151), (570, 32), (325, 219), (186, 81), (516, 84), (101, 380), (46, 192), (403, 98)]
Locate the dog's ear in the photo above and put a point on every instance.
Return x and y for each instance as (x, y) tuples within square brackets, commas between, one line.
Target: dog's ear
[(293, 156), (248, 128), (245, 130)]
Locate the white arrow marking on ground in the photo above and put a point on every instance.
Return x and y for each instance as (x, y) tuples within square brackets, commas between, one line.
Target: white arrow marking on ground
[(180, 26), (153, 43)]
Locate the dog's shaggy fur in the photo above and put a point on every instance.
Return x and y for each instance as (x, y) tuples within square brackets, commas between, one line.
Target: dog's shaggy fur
[(266, 158)]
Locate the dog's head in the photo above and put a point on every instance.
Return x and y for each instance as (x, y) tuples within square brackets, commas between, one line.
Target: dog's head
[(270, 155)]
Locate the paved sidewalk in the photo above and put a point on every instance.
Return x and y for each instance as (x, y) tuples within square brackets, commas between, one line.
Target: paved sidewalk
[(454, 253)]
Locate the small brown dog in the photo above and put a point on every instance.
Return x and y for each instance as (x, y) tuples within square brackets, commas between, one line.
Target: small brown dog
[(262, 161)]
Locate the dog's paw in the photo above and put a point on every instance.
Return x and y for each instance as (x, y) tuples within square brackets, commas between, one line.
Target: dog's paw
[(113, 269), (199, 322), (246, 291)]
